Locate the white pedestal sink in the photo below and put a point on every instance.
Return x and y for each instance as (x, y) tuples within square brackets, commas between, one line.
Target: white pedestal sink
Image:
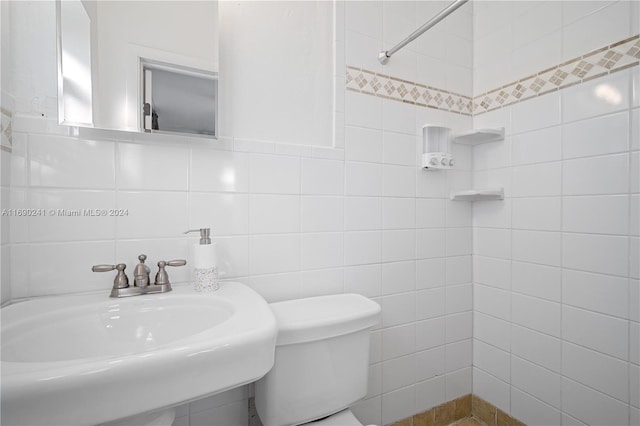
[(90, 359)]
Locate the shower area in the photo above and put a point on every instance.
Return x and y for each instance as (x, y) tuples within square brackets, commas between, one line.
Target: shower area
[(527, 250)]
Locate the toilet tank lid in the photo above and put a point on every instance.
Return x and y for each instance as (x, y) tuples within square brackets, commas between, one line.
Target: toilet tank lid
[(323, 317)]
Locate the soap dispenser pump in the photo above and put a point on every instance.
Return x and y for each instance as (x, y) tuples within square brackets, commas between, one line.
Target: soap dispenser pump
[(205, 262)]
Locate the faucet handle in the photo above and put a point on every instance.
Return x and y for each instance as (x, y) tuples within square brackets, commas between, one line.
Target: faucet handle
[(121, 280), (162, 277)]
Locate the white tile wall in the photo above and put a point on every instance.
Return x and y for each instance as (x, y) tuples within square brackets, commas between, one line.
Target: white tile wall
[(553, 265)]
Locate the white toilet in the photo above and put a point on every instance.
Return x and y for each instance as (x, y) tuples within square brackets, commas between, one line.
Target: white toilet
[(321, 361)]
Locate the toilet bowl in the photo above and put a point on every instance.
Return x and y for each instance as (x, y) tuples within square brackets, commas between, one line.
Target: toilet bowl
[(321, 361)]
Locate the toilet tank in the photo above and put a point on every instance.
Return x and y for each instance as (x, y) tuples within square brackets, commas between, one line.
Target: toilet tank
[(321, 361)]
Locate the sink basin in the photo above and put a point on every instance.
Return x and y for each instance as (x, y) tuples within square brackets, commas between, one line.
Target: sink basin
[(89, 359)]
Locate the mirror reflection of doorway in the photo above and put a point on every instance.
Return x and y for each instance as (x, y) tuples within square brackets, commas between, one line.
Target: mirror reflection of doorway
[(179, 100)]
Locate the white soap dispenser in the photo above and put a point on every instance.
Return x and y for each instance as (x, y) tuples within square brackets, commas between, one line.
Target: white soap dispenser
[(205, 262)]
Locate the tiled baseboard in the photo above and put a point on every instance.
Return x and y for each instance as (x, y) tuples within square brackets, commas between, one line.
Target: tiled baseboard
[(457, 409)]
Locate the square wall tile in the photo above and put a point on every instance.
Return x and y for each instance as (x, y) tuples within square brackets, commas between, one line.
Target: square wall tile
[(430, 273), (57, 161), (458, 327), (459, 298), (153, 167), (489, 388), (429, 363), (321, 250), (492, 360), (274, 253), (400, 149), (220, 171), (459, 270), (492, 242), (531, 410), (596, 175), (537, 381), (459, 241), (363, 179), (151, 214), (362, 110), (320, 213), (322, 177), (591, 406), (596, 253), (398, 213), (600, 293), (398, 277), (361, 248), (598, 214), (537, 180), (430, 303), (76, 215), (276, 287), (225, 214), (430, 243), (362, 144), (364, 280), (536, 113), (537, 247), (398, 309), (46, 277), (458, 355), (537, 314), (537, 280), (596, 136), (321, 282), (274, 214), (539, 214), (538, 146), (398, 245), (274, 174), (398, 181), (363, 213), (597, 97), (599, 332), (430, 333), (492, 272), (459, 383), (608, 375), (536, 347), (398, 373), (492, 301), (430, 213), (398, 341)]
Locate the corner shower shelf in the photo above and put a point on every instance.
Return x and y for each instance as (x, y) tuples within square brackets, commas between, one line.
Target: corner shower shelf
[(478, 136), (478, 194)]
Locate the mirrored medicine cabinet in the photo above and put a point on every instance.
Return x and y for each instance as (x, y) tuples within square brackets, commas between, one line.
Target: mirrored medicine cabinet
[(141, 66)]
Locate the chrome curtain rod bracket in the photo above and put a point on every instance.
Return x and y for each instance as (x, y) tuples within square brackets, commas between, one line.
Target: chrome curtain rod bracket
[(383, 57)]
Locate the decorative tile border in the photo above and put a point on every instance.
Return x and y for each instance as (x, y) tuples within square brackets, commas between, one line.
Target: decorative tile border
[(6, 132), (388, 87), (615, 57), (609, 59)]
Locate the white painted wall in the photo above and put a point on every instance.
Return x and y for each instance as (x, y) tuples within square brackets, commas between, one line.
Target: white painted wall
[(556, 290)]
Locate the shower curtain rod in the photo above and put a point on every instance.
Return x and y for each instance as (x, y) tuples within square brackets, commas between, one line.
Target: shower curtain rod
[(384, 56)]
